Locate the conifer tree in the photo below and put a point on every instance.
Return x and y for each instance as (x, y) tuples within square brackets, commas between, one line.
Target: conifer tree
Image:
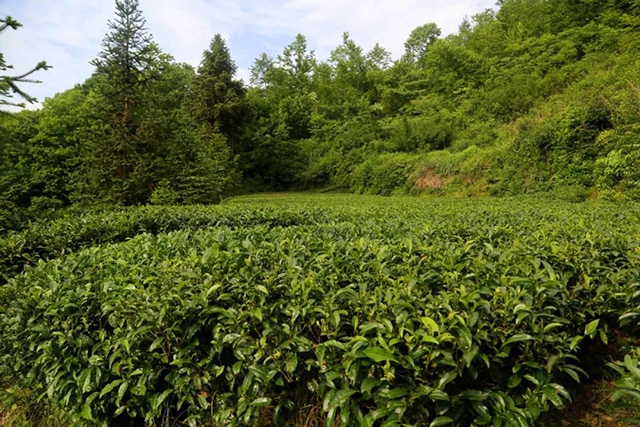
[(219, 99), (119, 156), (128, 54), (9, 84)]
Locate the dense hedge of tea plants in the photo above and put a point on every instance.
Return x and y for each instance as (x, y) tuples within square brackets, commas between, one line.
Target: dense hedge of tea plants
[(377, 311), (43, 240)]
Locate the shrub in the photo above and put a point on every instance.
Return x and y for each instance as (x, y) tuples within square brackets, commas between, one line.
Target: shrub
[(384, 174), (385, 310)]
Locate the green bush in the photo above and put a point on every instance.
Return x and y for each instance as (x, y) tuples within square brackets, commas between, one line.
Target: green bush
[(618, 170), (163, 194), (573, 194), (385, 310), (44, 240), (384, 174)]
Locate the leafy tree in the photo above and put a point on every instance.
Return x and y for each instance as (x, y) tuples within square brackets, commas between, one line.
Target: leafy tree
[(9, 84), (39, 151), (260, 70), (16, 130), (552, 81), (350, 63), (379, 58), (466, 93), (283, 107), (196, 160), (417, 45), (296, 64)]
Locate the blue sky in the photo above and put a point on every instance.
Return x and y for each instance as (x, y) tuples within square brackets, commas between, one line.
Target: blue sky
[(68, 33)]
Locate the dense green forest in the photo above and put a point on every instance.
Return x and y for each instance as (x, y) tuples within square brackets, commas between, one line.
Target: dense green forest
[(537, 95)]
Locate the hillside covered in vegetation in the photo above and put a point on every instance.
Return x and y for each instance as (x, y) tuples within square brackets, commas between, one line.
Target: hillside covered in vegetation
[(536, 95)]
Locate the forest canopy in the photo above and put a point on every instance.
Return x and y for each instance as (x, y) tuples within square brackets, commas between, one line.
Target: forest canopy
[(536, 95)]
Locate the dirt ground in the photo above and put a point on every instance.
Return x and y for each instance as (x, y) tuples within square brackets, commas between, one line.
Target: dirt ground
[(594, 407)]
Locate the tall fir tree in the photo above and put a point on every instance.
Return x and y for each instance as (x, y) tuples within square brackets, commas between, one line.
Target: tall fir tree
[(119, 156), (219, 99), (128, 54)]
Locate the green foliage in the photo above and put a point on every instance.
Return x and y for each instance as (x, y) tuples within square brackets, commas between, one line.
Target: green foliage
[(155, 130), (282, 110), (117, 161), (218, 99), (571, 193), (401, 310), (545, 91), (628, 385), (384, 174), (77, 228), (618, 171), (535, 85), (417, 45), (128, 54), (163, 194), (39, 153), (377, 311), (157, 137)]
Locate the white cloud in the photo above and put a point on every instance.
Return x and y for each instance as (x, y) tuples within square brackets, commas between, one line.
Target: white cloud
[(68, 33), (322, 21)]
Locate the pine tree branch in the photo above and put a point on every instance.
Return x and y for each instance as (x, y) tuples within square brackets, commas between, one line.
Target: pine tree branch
[(9, 85), (9, 22), (20, 92), (40, 66)]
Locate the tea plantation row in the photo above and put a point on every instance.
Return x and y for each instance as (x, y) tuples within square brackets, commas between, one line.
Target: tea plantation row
[(371, 311)]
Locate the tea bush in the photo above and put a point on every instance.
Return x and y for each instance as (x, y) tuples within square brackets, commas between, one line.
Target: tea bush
[(392, 311), (44, 240)]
